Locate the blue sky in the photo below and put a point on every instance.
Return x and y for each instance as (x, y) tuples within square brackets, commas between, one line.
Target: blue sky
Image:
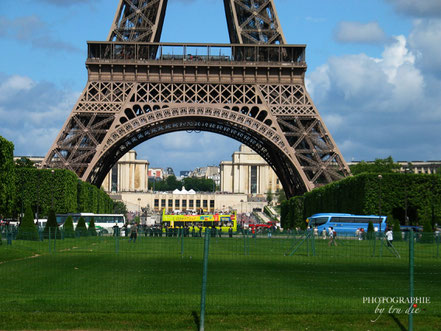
[(374, 72)]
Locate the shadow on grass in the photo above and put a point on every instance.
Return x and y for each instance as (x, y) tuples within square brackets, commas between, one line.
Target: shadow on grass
[(398, 322), (196, 319)]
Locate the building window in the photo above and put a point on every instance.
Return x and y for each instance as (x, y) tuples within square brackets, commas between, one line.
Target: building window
[(205, 203), (177, 203), (184, 203), (198, 203), (170, 203), (211, 204), (163, 203), (191, 203), (156, 203), (253, 179), (114, 184)]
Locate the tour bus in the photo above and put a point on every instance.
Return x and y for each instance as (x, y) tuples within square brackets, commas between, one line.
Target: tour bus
[(346, 223), (224, 221), (104, 223)]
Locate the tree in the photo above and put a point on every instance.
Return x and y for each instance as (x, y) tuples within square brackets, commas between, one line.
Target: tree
[(119, 207), (28, 229), (68, 228), (370, 231), (92, 229), (81, 229), (281, 196), (51, 226), (269, 196), (24, 162), (379, 166), (7, 177)]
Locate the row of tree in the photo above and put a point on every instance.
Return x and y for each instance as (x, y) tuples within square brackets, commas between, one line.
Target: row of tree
[(171, 183), (406, 198), (23, 185), (29, 231)]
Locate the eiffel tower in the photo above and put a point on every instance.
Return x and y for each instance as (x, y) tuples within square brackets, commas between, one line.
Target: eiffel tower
[(251, 90)]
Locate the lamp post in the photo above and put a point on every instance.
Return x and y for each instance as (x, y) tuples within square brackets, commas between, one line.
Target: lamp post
[(379, 203)]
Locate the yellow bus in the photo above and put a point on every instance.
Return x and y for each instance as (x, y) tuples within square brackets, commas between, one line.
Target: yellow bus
[(222, 221)]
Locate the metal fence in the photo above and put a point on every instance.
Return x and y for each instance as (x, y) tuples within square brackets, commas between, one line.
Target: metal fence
[(244, 274)]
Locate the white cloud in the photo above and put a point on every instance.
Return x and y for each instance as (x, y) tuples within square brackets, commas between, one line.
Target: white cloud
[(32, 113), (357, 32), (425, 41), (376, 107), (32, 30), (186, 151), (13, 85)]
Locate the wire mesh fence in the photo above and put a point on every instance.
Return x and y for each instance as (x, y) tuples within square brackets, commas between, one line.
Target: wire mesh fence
[(247, 275)]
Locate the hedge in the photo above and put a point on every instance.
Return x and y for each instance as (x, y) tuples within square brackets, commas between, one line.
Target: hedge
[(363, 194), (43, 187), (7, 177)]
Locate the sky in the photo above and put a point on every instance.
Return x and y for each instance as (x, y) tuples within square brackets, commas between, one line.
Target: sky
[(374, 72)]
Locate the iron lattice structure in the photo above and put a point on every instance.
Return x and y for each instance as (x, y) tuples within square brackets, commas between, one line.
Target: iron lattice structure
[(251, 90)]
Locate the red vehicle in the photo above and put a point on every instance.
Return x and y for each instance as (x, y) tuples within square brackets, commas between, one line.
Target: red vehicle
[(262, 226)]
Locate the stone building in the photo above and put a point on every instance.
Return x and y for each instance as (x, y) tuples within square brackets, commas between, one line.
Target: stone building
[(248, 173), (128, 175)]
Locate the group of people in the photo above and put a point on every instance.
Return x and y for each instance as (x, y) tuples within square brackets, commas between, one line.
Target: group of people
[(160, 230)]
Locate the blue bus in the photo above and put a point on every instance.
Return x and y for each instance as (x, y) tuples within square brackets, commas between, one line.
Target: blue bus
[(346, 223)]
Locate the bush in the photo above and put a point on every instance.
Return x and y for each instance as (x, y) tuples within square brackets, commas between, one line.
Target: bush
[(28, 230), (68, 228), (397, 231), (51, 226), (81, 229), (427, 236), (92, 229)]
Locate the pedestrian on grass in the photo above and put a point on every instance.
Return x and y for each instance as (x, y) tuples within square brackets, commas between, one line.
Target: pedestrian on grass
[(332, 235), (134, 233), (389, 237)]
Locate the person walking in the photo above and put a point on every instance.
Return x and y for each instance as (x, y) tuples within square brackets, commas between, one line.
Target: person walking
[(332, 235), (134, 233), (389, 237)]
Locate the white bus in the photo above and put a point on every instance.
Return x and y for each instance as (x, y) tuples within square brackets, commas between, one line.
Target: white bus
[(104, 223)]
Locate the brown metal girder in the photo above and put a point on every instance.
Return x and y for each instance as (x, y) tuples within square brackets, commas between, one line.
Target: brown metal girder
[(164, 118), (129, 142), (252, 16)]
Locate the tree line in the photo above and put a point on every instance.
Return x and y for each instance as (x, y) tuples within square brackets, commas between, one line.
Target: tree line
[(23, 185)]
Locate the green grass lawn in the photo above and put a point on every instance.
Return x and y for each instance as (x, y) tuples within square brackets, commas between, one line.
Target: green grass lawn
[(253, 284)]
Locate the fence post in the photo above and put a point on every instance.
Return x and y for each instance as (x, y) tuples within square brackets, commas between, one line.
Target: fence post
[(308, 239), (381, 244), (204, 279), (437, 238), (49, 237), (55, 238), (313, 243), (182, 243), (411, 267), (244, 243), (116, 234)]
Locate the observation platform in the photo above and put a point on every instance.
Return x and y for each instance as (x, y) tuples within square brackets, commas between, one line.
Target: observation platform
[(235, 63)]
